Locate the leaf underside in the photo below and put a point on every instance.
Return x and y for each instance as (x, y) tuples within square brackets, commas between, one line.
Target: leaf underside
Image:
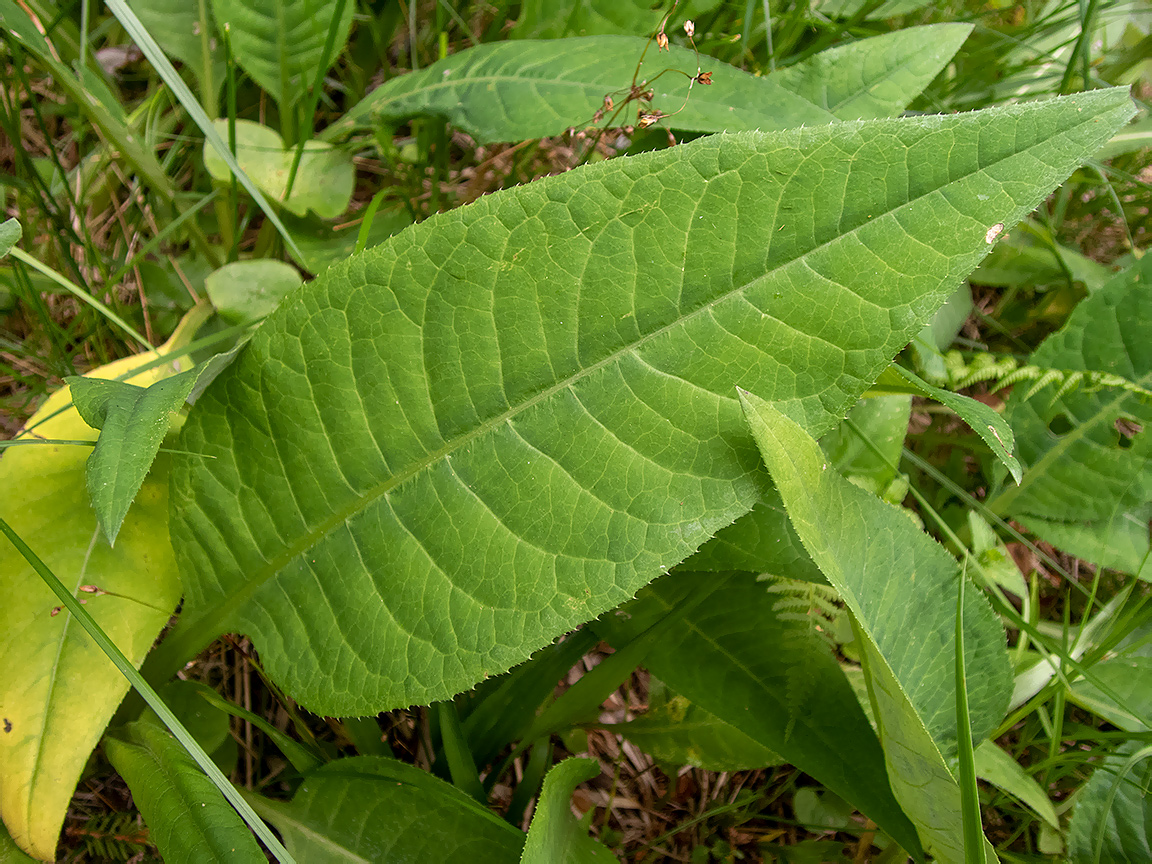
[(449, 450)]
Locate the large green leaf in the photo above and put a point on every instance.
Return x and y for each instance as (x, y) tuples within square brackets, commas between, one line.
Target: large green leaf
[(437, 457), (280, 43), (901, 588), (1088, 483), (370, 808), (58, 689), (745, 657), (188, 819), (509, 91), (555, 837), (878, 77)]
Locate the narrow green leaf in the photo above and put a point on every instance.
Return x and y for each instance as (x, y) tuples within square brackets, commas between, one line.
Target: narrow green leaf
[(187, 817), (444, 453), (878, 77), (369, 808), (324, 181), (461, 765), (244, 292), (10, 233), (509, 91), (299, 756), (555, 836), (15, 20), (58, 689), (965, 760), (995, 766), (745, 656), (901, 588), (280, 43), (1089, 453), (133, 422), (982, 419)]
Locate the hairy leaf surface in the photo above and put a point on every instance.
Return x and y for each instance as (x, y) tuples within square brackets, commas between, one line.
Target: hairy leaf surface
[(442, 454)]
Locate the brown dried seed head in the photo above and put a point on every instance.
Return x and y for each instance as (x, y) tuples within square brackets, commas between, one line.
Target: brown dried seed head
[(608, 103), (662, 41), (56, 610), (704, 77), (89, 589)]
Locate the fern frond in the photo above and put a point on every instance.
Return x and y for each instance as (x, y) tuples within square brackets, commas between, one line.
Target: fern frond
[(1007, 371)]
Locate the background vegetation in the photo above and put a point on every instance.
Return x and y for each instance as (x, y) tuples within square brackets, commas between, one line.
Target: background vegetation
[(131, 222)]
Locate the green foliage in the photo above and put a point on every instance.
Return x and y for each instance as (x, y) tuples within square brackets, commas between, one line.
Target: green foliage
[(379, 809), (191, 821), (1089, 478), (445, 455), (898, 585), (324, 177), (281, 43), (555, 835), (356, 507)]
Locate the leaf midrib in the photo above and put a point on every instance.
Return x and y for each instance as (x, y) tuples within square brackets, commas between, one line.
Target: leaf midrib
[(188, 637)]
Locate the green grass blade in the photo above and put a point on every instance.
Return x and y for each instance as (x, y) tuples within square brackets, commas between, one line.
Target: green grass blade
[(969, 794), (73, 288), (461, 765)]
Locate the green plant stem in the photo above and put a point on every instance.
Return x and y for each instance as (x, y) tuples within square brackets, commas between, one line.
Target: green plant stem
[(23, 257), (150, 696)]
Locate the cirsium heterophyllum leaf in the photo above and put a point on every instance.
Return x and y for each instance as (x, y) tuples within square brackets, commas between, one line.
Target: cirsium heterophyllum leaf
[(449, 450)]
